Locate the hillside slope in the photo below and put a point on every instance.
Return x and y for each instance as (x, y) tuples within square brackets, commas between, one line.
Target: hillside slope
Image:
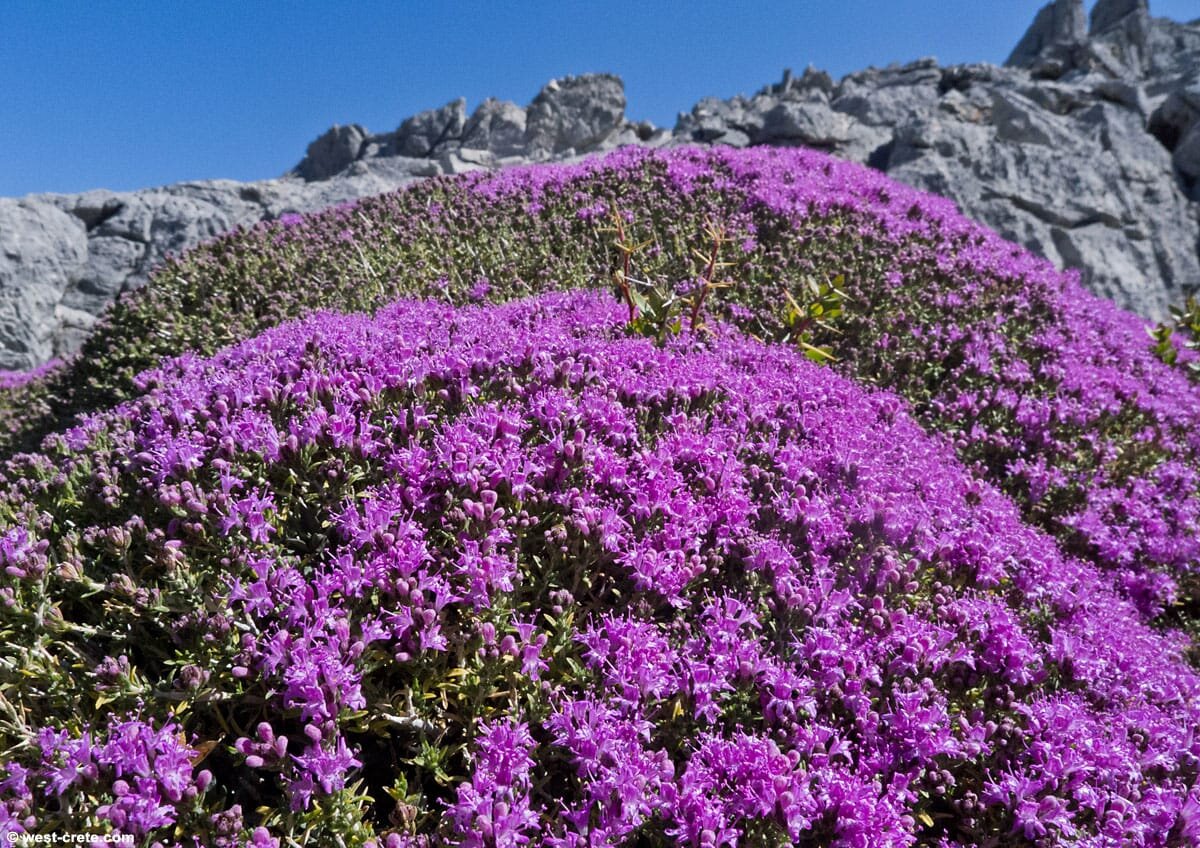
[(497, 576), (1085, 149), (1055, 393)]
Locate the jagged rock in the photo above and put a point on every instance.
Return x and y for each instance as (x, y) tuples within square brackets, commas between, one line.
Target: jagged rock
[(1020, 121), (65, 258), (1171, 50), (1176, 115), (110, 261), (890, 96), (41, 248), (1054, 97), (370, 176), (812, 124), (1187, 154), (330, 153), (1065, 166), (714, 121), (1121, 31), (815, 79), (1062, 22), (497, 126), (1107, 13), (1079, 187), (1083, 189), (92, 207), (574, 114), (72, 327), (464, 160), (433, 130), (1124, 93)]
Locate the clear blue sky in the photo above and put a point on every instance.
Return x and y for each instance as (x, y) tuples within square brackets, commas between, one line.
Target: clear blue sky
[(131, 94)]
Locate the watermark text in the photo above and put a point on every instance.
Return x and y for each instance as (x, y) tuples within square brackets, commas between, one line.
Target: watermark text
[(14, 838)]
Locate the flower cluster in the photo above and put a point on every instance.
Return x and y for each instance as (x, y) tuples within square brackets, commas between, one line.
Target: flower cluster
[(510, 575), (1055, 394), (147, 772)]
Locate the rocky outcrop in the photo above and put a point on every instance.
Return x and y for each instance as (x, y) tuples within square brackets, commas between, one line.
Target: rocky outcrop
[(568, 117), (431, 131), (332, 152), (1084, 147), (64, 258), (1059, 26), (1176, 124), (575, 114), (41, 250), (1109, 13), (497, 126)]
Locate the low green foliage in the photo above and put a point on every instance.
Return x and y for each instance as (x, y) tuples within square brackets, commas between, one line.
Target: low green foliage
[(1182, 331)]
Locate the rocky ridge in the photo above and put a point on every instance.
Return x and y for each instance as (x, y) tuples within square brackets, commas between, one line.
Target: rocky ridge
[(1084, 147)]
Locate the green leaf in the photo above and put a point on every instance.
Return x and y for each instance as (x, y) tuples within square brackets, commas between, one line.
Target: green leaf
[(819, 355)]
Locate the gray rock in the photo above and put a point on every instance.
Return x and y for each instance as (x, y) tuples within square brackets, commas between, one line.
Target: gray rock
[(1052, 96), (497, 126), (574, 114), (815, 79), (1171, 50), (332, 152), (1176, 115), (72, 327), (1122, 30), (1082, 190), (1020, 121), (366, 177), (65, 258), (431, 131), (1108, 13), (110, 262), (733, 122), (92, 207), (42, 249), (1062, 22), (813, 124), (1187, 154), (1064, 166), (1105, 262), (465, 160), (891, 96), (1124, 93)]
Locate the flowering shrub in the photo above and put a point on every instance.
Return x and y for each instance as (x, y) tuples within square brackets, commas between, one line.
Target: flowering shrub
[(496, 576), (26, 400), (1056, 395)]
